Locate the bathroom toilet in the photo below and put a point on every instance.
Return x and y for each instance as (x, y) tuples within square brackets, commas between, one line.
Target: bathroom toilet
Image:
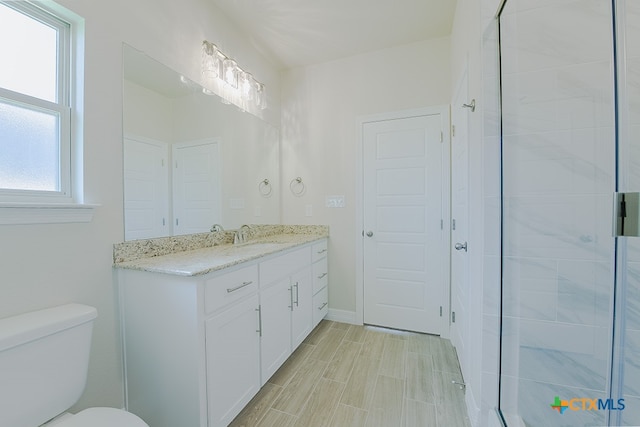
[(44, 356)]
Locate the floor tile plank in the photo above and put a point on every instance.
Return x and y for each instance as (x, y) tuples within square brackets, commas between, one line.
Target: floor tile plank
[(361, 384), (257, 407), (321, 404), (343, 360), (348, 416), (292, 399), (393, 357), (385, 409)]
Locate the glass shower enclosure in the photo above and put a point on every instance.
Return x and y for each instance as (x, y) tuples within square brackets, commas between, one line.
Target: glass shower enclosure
[(570, 148)]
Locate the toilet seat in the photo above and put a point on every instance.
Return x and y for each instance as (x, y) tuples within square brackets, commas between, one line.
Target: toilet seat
[(102, 417)]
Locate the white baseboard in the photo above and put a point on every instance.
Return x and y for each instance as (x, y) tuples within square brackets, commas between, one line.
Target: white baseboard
[(342, 316)]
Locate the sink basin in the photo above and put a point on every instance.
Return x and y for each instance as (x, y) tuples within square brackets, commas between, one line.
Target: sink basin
[(254, 248)]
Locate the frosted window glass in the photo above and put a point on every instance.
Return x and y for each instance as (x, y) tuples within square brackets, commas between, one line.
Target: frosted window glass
[(29, 149), (30, 46)]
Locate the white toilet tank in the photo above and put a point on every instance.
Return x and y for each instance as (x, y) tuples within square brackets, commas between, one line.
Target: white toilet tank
[(44, 356)]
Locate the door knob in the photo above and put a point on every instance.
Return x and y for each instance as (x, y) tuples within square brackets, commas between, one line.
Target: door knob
[(369, 233), (461, 246)]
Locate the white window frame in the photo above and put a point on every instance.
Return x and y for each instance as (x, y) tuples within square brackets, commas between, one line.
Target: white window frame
[(67, 204)]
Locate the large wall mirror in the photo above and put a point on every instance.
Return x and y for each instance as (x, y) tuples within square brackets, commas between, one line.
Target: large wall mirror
[(190, 160)]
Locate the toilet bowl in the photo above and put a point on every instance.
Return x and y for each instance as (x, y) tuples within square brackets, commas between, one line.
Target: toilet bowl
[(44, 357), (98, 417)]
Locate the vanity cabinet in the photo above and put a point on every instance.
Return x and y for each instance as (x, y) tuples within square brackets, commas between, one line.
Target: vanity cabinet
[(198, 348), (320, 277), (285, 304), (233, 360)]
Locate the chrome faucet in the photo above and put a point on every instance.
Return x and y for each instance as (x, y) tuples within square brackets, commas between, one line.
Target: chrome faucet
[(216, 227), (240, 235)]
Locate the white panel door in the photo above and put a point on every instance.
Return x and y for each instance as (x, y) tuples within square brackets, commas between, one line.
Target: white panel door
[(196, 186), (459, 226), (403, 235), (146, 189)]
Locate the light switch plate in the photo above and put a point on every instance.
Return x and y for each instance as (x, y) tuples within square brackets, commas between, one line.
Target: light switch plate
[(335, 201)]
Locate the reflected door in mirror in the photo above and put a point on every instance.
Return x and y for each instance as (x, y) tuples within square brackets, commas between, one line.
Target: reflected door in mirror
[(146, 189), (196, 186)]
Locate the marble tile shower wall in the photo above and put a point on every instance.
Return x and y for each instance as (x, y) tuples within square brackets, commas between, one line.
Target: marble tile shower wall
[(558, 177), (631, 389)]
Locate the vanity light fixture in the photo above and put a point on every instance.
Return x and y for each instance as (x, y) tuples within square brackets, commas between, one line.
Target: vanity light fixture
[(238, 84), (211, 60)]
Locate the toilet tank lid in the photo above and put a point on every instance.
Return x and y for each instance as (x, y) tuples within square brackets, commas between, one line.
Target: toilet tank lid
[(20, 329)]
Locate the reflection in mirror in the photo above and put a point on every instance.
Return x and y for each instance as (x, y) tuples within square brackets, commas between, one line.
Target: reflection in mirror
[(191, 161)]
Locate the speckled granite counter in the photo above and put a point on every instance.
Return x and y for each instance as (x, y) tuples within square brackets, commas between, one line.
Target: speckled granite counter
[(197, 254)]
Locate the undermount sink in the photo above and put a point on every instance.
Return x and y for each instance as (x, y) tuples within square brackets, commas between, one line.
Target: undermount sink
[(254, 247)]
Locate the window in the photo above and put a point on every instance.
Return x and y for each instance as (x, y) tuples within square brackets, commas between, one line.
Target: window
[(36, 107)]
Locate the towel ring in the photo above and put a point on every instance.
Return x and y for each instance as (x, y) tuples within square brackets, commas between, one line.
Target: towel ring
[(265, 188), (297, 187)]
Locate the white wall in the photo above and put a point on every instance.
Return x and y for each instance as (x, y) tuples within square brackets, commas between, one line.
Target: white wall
[(319, 110), (45, 265)]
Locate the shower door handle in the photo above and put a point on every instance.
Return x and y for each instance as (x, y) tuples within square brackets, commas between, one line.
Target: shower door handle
[(461, 246)]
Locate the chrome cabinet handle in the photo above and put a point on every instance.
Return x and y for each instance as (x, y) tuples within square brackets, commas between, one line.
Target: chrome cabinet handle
[(322, 251), (323, 306), (322, 275), (229, 290), (297, 295), (291, 296), (259, 310), (461, 246)]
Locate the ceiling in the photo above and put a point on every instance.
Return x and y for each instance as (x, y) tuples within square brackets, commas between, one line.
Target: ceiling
[(295, 33)]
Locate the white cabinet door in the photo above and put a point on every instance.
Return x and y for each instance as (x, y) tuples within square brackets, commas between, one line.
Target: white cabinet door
[(233, 361), (302, 314), (275, 305)]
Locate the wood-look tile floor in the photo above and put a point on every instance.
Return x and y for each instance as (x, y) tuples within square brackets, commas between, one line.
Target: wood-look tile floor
[(361, 376)]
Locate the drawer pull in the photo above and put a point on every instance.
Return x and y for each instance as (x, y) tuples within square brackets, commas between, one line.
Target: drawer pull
[(229, 290), (322, 251), (322, 275), (323, 306)]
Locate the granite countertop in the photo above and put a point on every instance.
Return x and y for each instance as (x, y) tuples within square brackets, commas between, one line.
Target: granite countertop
[(204, 260)]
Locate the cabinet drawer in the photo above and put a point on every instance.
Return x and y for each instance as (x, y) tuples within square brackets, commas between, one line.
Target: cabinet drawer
[(227, 288), (319, 250), (320, 274), (320, 306), (284, 265)]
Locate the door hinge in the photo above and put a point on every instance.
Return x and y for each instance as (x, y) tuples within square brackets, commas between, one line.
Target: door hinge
[(440, 311), (162, 163), (442, 224), (453, 130), (453, 224), (176, 221), (453, 317), (441, 136), (163, 222)]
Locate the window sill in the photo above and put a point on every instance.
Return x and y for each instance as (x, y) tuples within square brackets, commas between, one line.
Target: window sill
[(41, 213)]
